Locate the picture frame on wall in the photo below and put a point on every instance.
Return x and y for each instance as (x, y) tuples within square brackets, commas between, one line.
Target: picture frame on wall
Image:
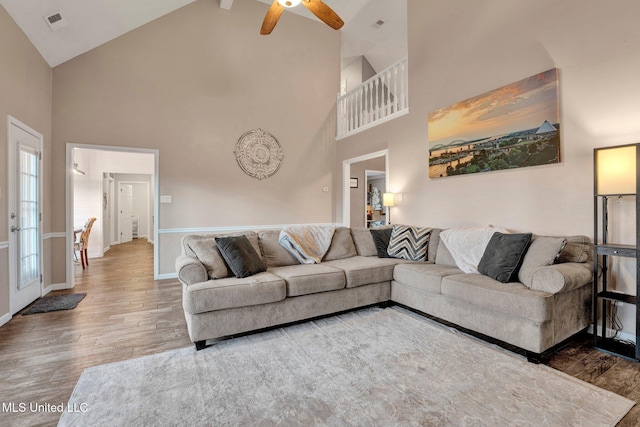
[(517, 125), (353, 182)]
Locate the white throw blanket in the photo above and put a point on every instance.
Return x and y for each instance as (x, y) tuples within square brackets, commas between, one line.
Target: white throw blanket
[(467, 244), (307, 243)]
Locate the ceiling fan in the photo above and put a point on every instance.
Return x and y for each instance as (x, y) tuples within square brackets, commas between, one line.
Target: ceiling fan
[(317, 7)]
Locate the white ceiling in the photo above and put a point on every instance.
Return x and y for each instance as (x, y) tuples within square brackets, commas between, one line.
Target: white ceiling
[(92, 23)]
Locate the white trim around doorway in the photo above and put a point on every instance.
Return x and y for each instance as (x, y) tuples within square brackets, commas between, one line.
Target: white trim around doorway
[(69, 199), (346, 172)]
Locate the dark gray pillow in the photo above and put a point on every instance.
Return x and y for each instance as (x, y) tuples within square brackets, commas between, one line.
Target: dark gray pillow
[(381, 238), (503, 256), (240, 256)]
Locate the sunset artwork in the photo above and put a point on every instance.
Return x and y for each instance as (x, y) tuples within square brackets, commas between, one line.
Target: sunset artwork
[(511, 127)]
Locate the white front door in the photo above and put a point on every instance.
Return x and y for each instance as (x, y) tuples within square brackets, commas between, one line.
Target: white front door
[(25, 234), (126, 212)]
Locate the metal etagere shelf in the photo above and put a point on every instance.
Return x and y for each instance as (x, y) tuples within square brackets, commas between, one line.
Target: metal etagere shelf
[(615, 176)]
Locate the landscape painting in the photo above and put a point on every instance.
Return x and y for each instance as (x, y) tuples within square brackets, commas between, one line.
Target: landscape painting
[(511, 127)]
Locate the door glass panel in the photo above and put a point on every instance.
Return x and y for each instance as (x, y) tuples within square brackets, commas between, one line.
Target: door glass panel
[(28, 247)]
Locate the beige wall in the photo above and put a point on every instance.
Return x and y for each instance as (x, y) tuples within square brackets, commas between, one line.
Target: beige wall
[(25, 93), (459, 49), (357, 72), (190, 84)]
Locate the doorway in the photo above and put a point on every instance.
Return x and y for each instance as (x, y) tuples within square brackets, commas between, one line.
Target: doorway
[(354, 192), (25, 215), (125, 214), (375, 186), (95, 193)]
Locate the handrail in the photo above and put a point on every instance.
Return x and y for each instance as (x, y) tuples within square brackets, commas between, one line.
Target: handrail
[(380, 98)]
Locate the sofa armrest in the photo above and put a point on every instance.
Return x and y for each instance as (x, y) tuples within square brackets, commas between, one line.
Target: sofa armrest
[(563, 277), (190, 270)]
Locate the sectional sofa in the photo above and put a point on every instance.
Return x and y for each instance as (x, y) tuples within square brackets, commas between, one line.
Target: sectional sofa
[(546, 303)]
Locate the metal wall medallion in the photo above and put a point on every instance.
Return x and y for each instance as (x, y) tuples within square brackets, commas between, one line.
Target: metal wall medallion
[(258, 154)]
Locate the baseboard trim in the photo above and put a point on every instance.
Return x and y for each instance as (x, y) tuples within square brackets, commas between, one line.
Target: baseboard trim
[(5, 318), (166, 276), (610, 332), (56, 287)]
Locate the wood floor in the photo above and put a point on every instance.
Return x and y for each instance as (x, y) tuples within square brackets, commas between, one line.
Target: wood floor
[(127, 314)]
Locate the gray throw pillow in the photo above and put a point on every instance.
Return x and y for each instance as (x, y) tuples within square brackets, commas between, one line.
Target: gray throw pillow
[(503, 256), (240, 256), (543, 251), (381, 238)]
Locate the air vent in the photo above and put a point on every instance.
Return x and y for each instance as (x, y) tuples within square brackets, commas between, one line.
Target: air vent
[(56, 21)]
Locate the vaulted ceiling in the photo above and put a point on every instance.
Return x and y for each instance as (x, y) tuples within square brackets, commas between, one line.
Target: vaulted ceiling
[(88, 24)]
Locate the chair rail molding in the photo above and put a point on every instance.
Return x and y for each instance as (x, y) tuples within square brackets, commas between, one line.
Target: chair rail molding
[(233, 228), (57, 235)]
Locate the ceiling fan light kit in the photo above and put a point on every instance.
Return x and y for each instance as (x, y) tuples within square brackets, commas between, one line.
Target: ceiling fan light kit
[(289, 3), (317, 7)]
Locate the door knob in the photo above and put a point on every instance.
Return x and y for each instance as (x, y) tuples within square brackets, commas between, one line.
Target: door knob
[(14, 228)]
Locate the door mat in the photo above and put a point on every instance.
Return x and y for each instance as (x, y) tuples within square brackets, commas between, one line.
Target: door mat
[(55, 303)]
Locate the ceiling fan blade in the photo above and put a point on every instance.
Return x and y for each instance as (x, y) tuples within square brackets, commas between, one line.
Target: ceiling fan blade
[(324, 13), (271, 18)]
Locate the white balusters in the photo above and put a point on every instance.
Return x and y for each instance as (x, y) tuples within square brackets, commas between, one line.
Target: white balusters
[(381, 98)]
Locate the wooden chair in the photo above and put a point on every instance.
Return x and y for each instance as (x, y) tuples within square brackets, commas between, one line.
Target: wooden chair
[(83, 242)]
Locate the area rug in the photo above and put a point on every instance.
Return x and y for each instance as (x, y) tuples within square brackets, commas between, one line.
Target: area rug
[(54, 303), (372, 367)]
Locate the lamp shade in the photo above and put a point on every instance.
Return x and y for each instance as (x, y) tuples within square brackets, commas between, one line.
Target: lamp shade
[(388, 199), (615, 170)]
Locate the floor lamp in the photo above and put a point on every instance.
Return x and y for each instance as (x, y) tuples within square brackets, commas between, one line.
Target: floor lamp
[(388, 200)]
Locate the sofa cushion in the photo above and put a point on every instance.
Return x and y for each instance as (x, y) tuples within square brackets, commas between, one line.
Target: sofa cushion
[(231, 292), (381, 237), (204, 248), (443, 256), (427, 277), (503, 256), (310, 278), (272, 251), (363, 240), (512, 298), (240, 256), (577, 249), (542, 251), (434, 242), (409, 242), (342, 245), (361, 271)]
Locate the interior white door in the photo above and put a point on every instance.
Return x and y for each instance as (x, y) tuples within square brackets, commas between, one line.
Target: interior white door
[(25, 237), (125, 203)]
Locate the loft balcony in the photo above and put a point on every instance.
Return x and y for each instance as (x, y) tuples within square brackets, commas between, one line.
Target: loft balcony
[(383, 97)]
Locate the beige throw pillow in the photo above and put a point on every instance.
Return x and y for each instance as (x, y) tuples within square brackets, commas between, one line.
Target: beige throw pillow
[(543, 251), (207, 252)]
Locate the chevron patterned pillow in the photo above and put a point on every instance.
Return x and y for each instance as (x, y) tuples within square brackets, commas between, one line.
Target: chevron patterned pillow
[(409, 243)]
